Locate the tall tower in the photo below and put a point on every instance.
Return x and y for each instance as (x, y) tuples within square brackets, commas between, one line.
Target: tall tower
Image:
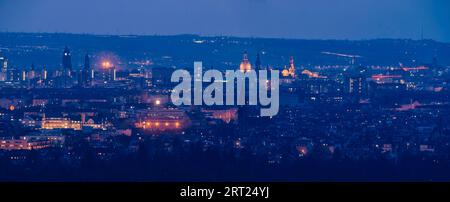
[(67, 61), (245, 64), (87, 64), (258, 63), (31, 76), (32, 72), (245, 112), (67, 66), (86, 73), (291, 67), (114, 74), (4, 68), (44, 73)]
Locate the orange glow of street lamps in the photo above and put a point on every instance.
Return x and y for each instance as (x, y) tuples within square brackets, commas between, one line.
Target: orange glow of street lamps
[(106, 64)]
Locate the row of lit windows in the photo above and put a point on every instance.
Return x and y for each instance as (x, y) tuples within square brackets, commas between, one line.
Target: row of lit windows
[(148, 124)]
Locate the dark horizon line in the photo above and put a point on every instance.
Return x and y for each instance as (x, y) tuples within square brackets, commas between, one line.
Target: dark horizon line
[(217, 36)]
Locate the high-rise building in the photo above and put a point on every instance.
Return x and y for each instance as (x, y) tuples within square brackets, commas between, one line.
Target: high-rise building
[(23, 75), (67, 68), (108, 71), (67, 62), (356, 83), (86, 74), (32, 73), (44, 73), (4, 68)]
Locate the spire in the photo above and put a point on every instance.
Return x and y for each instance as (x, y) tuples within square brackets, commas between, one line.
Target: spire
[(258, 63), (291, 67), (245, 57), (87, 64)]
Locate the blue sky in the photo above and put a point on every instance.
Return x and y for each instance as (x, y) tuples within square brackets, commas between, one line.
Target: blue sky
[(308, 19)]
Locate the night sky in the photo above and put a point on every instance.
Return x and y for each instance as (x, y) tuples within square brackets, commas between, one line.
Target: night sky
[(306, 19)]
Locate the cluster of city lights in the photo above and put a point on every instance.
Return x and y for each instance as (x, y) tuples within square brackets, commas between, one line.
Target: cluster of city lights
[(106, 64), (156, 124)]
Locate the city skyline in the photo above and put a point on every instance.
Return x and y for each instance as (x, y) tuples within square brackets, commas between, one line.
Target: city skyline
[(322, 19), (99, 102)]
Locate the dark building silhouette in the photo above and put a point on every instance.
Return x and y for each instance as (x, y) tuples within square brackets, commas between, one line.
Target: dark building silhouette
[(161, 77), (258, 63), (86, 77), (67, 67), (67, 61)]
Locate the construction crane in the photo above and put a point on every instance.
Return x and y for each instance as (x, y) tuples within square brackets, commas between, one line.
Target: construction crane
[(353, 58)]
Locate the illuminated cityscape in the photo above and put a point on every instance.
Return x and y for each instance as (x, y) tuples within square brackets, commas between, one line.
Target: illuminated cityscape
[(102, 108), (361, 91)]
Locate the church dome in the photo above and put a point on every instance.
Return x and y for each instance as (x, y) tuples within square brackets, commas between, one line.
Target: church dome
[(285, 73), (245, 64)]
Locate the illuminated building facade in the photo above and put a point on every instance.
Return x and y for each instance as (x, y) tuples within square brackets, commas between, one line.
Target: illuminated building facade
[(30, 142), (108, 71), (4, 68), (65, 123), (356, 85), (226, 115), (289, 72), (245, 64), (162, 119)]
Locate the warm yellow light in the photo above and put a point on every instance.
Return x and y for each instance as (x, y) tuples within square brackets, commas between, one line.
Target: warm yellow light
[(167, 124), (285, 72), (158, 102), (157, 124), (106, 64), (177, 124)]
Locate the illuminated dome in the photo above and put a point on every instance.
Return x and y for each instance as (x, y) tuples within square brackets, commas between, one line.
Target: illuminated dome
[(289, 72), (245, 64), (245, 67), (285, 73)]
